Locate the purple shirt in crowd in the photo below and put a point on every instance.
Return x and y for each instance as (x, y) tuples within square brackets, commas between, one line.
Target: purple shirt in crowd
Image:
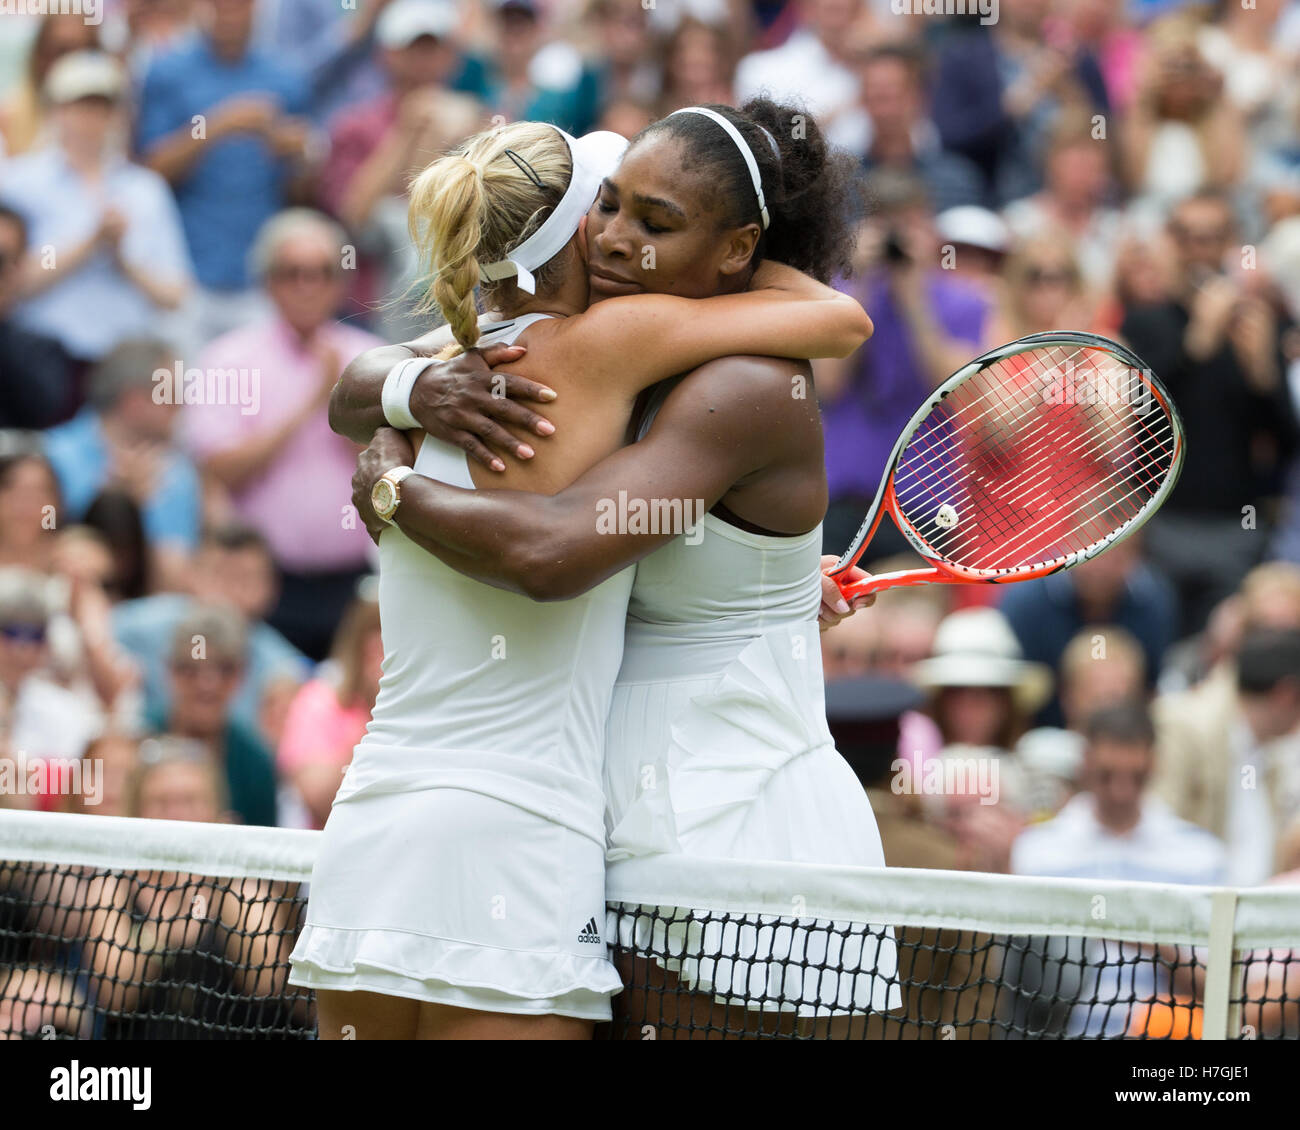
[(886, 382)]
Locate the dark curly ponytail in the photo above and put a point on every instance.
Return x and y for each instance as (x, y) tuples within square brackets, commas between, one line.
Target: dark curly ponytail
[(813, 193)]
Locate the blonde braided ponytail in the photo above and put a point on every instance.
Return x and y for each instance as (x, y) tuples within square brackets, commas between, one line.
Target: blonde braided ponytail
[(473, 206)]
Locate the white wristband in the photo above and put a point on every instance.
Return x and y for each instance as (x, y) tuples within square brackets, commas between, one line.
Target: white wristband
[(396, 397)]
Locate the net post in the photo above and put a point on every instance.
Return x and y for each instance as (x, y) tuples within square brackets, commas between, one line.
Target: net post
[(1219, 963), (1237, 996)]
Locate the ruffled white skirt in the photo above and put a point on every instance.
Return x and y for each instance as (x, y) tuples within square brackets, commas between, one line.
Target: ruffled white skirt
[(457, 880), (742, 766)]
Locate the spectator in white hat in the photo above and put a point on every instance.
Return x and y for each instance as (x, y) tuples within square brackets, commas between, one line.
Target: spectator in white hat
[(24, 113), (983, 690), (973, 244), (982, 694), (118, 248)]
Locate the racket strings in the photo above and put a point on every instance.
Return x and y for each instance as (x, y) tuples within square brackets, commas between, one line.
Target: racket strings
[(1077, 507), (1109, 522), (1104, 509), (954, 426), (1029, 405), (1043, 451), (1000, 477), (1113, 506), (942, 461), (1054, 521)]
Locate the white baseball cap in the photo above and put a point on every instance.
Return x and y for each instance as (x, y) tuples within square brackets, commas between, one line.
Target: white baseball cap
[(405, 21), (973, 226), (84, 74)]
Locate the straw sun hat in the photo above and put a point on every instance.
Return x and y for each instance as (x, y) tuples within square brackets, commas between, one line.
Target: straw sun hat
[(976, 648)]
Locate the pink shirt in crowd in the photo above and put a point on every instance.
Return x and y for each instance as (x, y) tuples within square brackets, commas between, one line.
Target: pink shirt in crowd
[(318, 730), (301, 502), (354, 135)]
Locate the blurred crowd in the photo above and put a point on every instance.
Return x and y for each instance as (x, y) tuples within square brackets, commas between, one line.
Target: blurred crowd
[(203, 219)]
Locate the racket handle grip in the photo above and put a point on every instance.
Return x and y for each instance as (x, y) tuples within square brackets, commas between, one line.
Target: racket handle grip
[(869, 586)]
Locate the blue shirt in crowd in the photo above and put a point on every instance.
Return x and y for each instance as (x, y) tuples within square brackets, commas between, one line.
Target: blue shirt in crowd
[(94, 308), (1045, 615), (238, 183), (80, 458), (145, 628)]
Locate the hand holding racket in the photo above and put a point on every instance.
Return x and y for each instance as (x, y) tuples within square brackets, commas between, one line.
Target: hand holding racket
[(1035, 457), (834, 608)]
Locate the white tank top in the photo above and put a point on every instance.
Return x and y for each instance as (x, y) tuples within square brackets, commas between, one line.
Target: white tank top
[(698, 601), (495, 692)]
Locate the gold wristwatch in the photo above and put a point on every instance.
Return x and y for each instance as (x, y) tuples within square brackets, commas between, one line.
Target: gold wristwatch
[(386, 494)]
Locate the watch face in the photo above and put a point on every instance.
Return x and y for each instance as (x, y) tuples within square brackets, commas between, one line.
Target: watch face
[(383, 498)]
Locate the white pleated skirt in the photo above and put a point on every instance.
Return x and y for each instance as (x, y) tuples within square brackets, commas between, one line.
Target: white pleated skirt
[(741, 766), (458, 881)]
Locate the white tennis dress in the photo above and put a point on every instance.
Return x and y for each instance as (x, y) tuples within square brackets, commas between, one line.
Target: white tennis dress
[(718, 747), (463, 861)]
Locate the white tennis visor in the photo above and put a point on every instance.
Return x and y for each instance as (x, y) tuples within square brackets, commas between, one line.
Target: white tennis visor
[(595, 156)]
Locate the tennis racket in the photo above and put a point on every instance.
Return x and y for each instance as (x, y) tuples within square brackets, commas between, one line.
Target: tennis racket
[(1035, 457)]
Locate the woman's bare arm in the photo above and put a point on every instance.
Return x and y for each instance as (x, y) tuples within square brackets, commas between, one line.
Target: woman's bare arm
[(636, 340), (461, 402), (641, 339), (554, 547)]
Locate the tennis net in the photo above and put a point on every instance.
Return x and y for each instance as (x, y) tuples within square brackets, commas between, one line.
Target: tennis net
[(138, 929)]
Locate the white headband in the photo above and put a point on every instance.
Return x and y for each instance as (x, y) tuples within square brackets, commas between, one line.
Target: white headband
[(595, 156), (745, 152)]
